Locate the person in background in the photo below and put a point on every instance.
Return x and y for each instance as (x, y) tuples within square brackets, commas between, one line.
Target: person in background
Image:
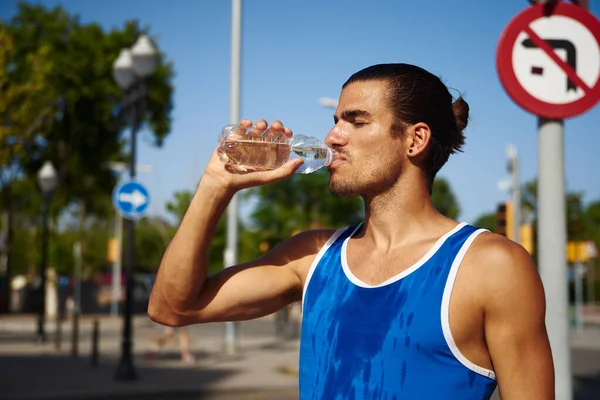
[(184, 344)]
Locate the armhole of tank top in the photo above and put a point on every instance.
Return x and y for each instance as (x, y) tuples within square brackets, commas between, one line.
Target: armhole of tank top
[(445, 310), (315, 262)]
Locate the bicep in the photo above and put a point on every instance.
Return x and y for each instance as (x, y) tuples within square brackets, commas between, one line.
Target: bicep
[(256, 288), (515, 330), (244, 292)]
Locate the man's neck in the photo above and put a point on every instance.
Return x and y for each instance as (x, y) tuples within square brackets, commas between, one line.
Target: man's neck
[(402, 215)]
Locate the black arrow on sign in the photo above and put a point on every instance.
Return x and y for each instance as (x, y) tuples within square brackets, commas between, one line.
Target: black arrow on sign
[(563, 45)]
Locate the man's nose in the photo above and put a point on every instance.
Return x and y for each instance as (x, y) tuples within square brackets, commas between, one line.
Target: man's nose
[(336, 138)]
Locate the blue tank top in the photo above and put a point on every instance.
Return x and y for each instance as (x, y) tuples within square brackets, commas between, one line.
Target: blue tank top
[(390, 341)]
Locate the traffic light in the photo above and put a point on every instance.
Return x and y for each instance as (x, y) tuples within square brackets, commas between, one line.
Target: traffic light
[(526, 237), (578, 251), (505, 219)]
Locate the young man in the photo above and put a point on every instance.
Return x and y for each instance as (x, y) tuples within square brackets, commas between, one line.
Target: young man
[(409, 304)]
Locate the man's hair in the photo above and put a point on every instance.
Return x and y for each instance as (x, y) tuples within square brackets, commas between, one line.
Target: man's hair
[(416, 95)]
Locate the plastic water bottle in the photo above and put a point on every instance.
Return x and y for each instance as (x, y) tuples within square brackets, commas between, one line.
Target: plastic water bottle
[(251, 150)]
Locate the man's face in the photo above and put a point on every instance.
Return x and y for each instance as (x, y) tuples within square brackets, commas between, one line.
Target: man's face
[(368, 158)]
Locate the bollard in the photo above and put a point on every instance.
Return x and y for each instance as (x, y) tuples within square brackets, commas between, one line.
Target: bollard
[(95, 339), (58, 335), (75, 335)]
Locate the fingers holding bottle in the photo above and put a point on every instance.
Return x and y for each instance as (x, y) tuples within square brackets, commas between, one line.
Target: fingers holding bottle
[(248, 152)]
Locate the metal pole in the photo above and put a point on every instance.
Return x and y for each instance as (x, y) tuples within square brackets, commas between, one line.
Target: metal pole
[(516, 195), (116, 272), (592, 286), (126, 370), (578, 270), (76, 300), (41, 334), (230, 256), (552, 240)]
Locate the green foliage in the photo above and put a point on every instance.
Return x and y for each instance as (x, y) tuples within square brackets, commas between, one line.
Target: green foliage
[(58, 102), (486, 221), (444, 200), (179, 205), (152, 237), (83, 130)]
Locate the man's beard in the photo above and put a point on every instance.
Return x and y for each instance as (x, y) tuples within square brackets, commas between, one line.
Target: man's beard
[(366, 184), (343, 188)]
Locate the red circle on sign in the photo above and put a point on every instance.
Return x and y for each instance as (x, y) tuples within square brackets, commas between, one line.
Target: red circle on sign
[(504, 62)]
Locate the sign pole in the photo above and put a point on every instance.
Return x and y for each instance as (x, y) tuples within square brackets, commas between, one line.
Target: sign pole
[(548, 61), (552, 240), (591, 297), (231, 250)]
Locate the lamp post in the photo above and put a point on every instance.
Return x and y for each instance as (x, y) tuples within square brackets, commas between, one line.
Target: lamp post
[(130, 71), (119, 169), (328, 102), (47, 181)]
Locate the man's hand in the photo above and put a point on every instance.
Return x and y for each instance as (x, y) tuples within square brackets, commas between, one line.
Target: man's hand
[(234, 179)]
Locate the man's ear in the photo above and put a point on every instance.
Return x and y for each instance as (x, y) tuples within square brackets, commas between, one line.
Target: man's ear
[(418, 137)]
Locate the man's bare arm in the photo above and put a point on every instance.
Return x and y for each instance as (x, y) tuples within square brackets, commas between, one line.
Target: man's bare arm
[(182, 294), (515, 329)]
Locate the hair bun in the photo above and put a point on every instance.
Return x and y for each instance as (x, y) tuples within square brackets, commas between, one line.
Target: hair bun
[(460, 109)]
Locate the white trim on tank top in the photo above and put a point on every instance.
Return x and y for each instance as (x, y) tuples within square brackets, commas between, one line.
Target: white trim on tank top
[(445, 309), (315, 262), (352, 278)]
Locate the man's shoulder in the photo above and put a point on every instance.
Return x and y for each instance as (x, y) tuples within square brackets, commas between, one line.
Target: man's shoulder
[(314, 238), (299, 251), (305, 243), (498, 251), (501, 267)]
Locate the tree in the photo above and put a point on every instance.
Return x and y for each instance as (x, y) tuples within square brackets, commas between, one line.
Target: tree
[(56, 76), (179, 205), (24, 105), (444, 199), (486, 221), (151, 240)]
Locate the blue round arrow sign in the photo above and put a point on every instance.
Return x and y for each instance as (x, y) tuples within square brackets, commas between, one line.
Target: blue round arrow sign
[(131, 199)]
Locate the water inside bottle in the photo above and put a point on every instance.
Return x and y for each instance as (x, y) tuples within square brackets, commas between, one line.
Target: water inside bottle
[(256, 155), (314, 158)]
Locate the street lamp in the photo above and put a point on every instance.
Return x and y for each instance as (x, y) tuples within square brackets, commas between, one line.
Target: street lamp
[(130, 71), (328, 102), (47, 181)]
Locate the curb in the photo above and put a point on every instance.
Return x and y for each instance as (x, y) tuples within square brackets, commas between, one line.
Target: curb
[(287, 392)]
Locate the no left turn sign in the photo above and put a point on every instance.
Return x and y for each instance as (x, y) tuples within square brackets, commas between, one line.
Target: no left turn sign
[(549, 64)]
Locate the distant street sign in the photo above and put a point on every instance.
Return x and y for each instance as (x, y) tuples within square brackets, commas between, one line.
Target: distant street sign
[(131, 199), (549, 64)]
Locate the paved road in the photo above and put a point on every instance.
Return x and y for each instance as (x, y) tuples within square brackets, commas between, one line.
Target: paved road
[(29, 371), (235, 395)]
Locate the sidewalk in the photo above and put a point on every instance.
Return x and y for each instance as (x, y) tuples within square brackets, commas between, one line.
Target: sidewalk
[(29, 370), (265, 367)]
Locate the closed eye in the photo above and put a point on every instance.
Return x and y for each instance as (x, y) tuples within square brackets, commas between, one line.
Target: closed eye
[(351, 116)]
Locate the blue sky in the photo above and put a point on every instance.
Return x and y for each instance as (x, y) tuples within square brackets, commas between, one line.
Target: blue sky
[(294, 52)]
